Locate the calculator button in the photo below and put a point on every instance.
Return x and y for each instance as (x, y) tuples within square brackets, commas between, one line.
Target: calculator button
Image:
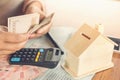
[(23, 59), (32, 59), (28, 55), (20, 52), (33, 56), (24, 55), (19, 55), (41, 58), (27, 59), (34, 53), (36, 50), (41, 50), (31, 50), (37, 57), (57, 52), (16, 52), (15, 59), (25, 52), (14, 55)]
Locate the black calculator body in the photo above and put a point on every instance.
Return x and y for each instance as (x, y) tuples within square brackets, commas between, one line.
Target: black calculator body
[(43, 57)]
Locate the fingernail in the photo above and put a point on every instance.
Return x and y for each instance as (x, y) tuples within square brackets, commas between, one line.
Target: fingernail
[(40, 31), (28, 35)]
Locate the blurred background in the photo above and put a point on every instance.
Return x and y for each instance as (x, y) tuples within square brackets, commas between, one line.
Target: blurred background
[(74, 13)]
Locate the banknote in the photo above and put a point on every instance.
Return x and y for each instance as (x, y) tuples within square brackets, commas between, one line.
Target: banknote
[(44, 22), (22, 23), (27, 23)]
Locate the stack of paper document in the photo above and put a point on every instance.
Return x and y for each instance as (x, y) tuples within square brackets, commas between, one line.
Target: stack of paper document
[(59, 74)]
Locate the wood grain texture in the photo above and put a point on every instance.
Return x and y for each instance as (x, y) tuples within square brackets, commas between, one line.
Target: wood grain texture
[(112, 73)]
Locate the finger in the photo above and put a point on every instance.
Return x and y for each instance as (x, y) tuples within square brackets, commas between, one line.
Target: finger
[(35, 35), (12, 46), (45, 28), (12, 37), (3, 28), (41, 31), (3, 55), (5, 52), (35, 9)]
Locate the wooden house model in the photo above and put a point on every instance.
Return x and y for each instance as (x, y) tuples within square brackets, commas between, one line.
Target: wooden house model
[(88, 52)]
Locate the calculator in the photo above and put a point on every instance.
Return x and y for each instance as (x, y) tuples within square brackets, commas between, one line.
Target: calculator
[(43, 57)]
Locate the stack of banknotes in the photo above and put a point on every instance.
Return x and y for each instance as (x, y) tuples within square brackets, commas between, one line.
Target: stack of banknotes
[(28, 23)]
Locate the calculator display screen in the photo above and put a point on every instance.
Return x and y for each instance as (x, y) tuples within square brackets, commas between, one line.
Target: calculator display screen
[(49, 55)]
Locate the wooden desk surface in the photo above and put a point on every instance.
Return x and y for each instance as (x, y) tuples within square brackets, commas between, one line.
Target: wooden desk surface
[(112, 73)]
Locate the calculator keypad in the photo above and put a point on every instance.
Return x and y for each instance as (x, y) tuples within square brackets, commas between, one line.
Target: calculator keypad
[(33, 55), (48, 58)]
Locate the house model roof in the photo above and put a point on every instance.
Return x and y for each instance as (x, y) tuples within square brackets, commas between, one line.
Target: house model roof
[(82, 38)]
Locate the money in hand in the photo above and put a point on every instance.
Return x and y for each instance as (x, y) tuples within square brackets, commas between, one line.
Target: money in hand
[(27, 23), (44, 22), (22, 23)]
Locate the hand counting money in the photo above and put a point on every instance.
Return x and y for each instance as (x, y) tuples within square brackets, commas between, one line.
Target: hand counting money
[(22, 23), (27, 23), (44, 22)]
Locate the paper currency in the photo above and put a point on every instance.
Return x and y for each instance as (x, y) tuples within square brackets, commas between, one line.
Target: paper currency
[(27, 23), (44, 22), (22, 23)]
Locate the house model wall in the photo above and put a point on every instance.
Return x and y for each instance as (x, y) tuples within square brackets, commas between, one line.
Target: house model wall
[(88, 52)]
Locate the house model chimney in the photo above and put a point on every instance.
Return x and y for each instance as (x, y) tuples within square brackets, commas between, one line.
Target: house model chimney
[(100, 28)]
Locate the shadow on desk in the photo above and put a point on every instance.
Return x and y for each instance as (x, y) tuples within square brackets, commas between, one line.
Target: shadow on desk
[(112, 73)]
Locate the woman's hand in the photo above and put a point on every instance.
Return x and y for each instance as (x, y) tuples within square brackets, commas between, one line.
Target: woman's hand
[(10, 42), (36, 6)]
